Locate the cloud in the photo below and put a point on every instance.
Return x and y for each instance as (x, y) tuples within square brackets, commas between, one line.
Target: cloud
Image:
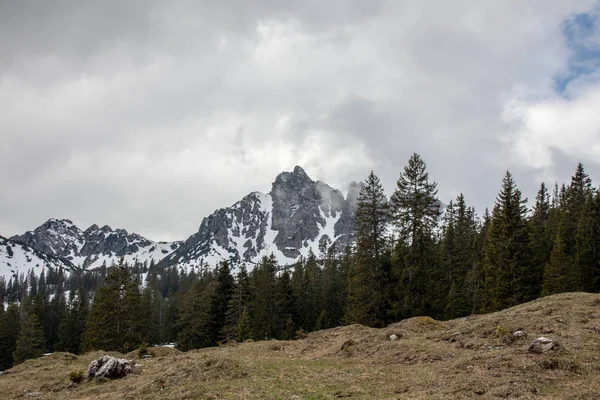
[(150, 115)]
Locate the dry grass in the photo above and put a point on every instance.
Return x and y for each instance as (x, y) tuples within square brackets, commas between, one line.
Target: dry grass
[(470, 357)]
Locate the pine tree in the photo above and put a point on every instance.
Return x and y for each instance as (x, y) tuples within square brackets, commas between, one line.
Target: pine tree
[(10, 326), (151, 319), (368, 283), (556, 273), (72, 325), (223, 294), (196, 318), (114, 321), (238, 304), (414, 204), (263, 303), (458, 257), (31, 342), (416, 211), (243, 328), (586, 241), (507, 255), (540, 244)]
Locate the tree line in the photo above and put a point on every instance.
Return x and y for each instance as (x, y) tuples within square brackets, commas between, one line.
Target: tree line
[(412, 256)]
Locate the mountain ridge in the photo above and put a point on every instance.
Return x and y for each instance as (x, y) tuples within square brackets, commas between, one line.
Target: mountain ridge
[(297, 216)]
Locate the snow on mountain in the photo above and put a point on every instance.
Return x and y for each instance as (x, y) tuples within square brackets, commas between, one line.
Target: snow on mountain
[(16, 259), (94, 246), (298, 215)]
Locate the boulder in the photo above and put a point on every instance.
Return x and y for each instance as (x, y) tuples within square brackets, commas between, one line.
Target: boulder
[(518, 334), (541, 345), (108, 367)]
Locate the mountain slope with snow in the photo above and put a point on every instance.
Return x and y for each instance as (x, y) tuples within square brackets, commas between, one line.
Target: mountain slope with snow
[(94, 246), (17, 259), (298, 215)]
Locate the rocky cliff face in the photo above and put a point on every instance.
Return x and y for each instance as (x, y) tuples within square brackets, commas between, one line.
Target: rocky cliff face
[(91, 248), (296, 216)]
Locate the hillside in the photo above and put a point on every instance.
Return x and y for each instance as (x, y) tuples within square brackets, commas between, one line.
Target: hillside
[(472, 357)]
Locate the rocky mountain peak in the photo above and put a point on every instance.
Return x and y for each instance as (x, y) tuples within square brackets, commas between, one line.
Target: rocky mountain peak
[(298, 215)]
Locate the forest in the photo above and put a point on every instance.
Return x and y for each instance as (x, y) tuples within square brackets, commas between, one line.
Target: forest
[(411, 256)]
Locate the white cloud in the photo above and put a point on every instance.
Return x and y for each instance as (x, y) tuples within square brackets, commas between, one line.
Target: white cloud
[(152, 118)]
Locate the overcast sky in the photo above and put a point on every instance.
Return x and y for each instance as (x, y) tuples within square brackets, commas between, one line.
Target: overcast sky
[(148, 115)]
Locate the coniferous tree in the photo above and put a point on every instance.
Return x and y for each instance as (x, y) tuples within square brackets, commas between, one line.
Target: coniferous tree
[(586, 242), (72, 325), (114, 321), (540, 244), (244, 331), (10, 325), (238, 304), (263, 282), (151, 315), (223, 293), (196, 317), (556, 272), (506, 250), (368, 282), (416, 211), (31, 342)]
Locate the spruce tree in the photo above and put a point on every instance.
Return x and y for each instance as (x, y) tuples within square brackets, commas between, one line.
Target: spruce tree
[(587, 240), (31, 342), (196, 317), (238, 304), (416, 211), (114, 321), (223, 294), (507, 254), (10, 326), (540, 244), (556, 272), (244, 331), (263, 283), (368, 282)]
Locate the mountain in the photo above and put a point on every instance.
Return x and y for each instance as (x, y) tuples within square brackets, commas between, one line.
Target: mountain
[(296, 216), (63, 240), (16, 258)]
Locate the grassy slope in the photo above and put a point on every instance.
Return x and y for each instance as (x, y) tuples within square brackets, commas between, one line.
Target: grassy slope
[(464, 358)]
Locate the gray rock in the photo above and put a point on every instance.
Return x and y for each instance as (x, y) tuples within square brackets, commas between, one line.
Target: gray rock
[(518, 334), (393, 337), (108, 367), (541, 345)]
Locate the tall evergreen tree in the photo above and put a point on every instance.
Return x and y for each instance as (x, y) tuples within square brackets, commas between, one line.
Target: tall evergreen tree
[(507, 254), (239, 303), (114, 321), (31, 342), (416, 211), (263, 303), (72, 325), (368, 283), (196, 318), (556, 273), (10, 325)]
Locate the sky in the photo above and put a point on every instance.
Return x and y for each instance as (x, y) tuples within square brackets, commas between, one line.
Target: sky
[(149, 115)]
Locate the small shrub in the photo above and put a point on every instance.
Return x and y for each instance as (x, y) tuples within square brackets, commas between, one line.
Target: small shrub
[(76, 376), (502, 331), (143, 350), (300, 334)]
